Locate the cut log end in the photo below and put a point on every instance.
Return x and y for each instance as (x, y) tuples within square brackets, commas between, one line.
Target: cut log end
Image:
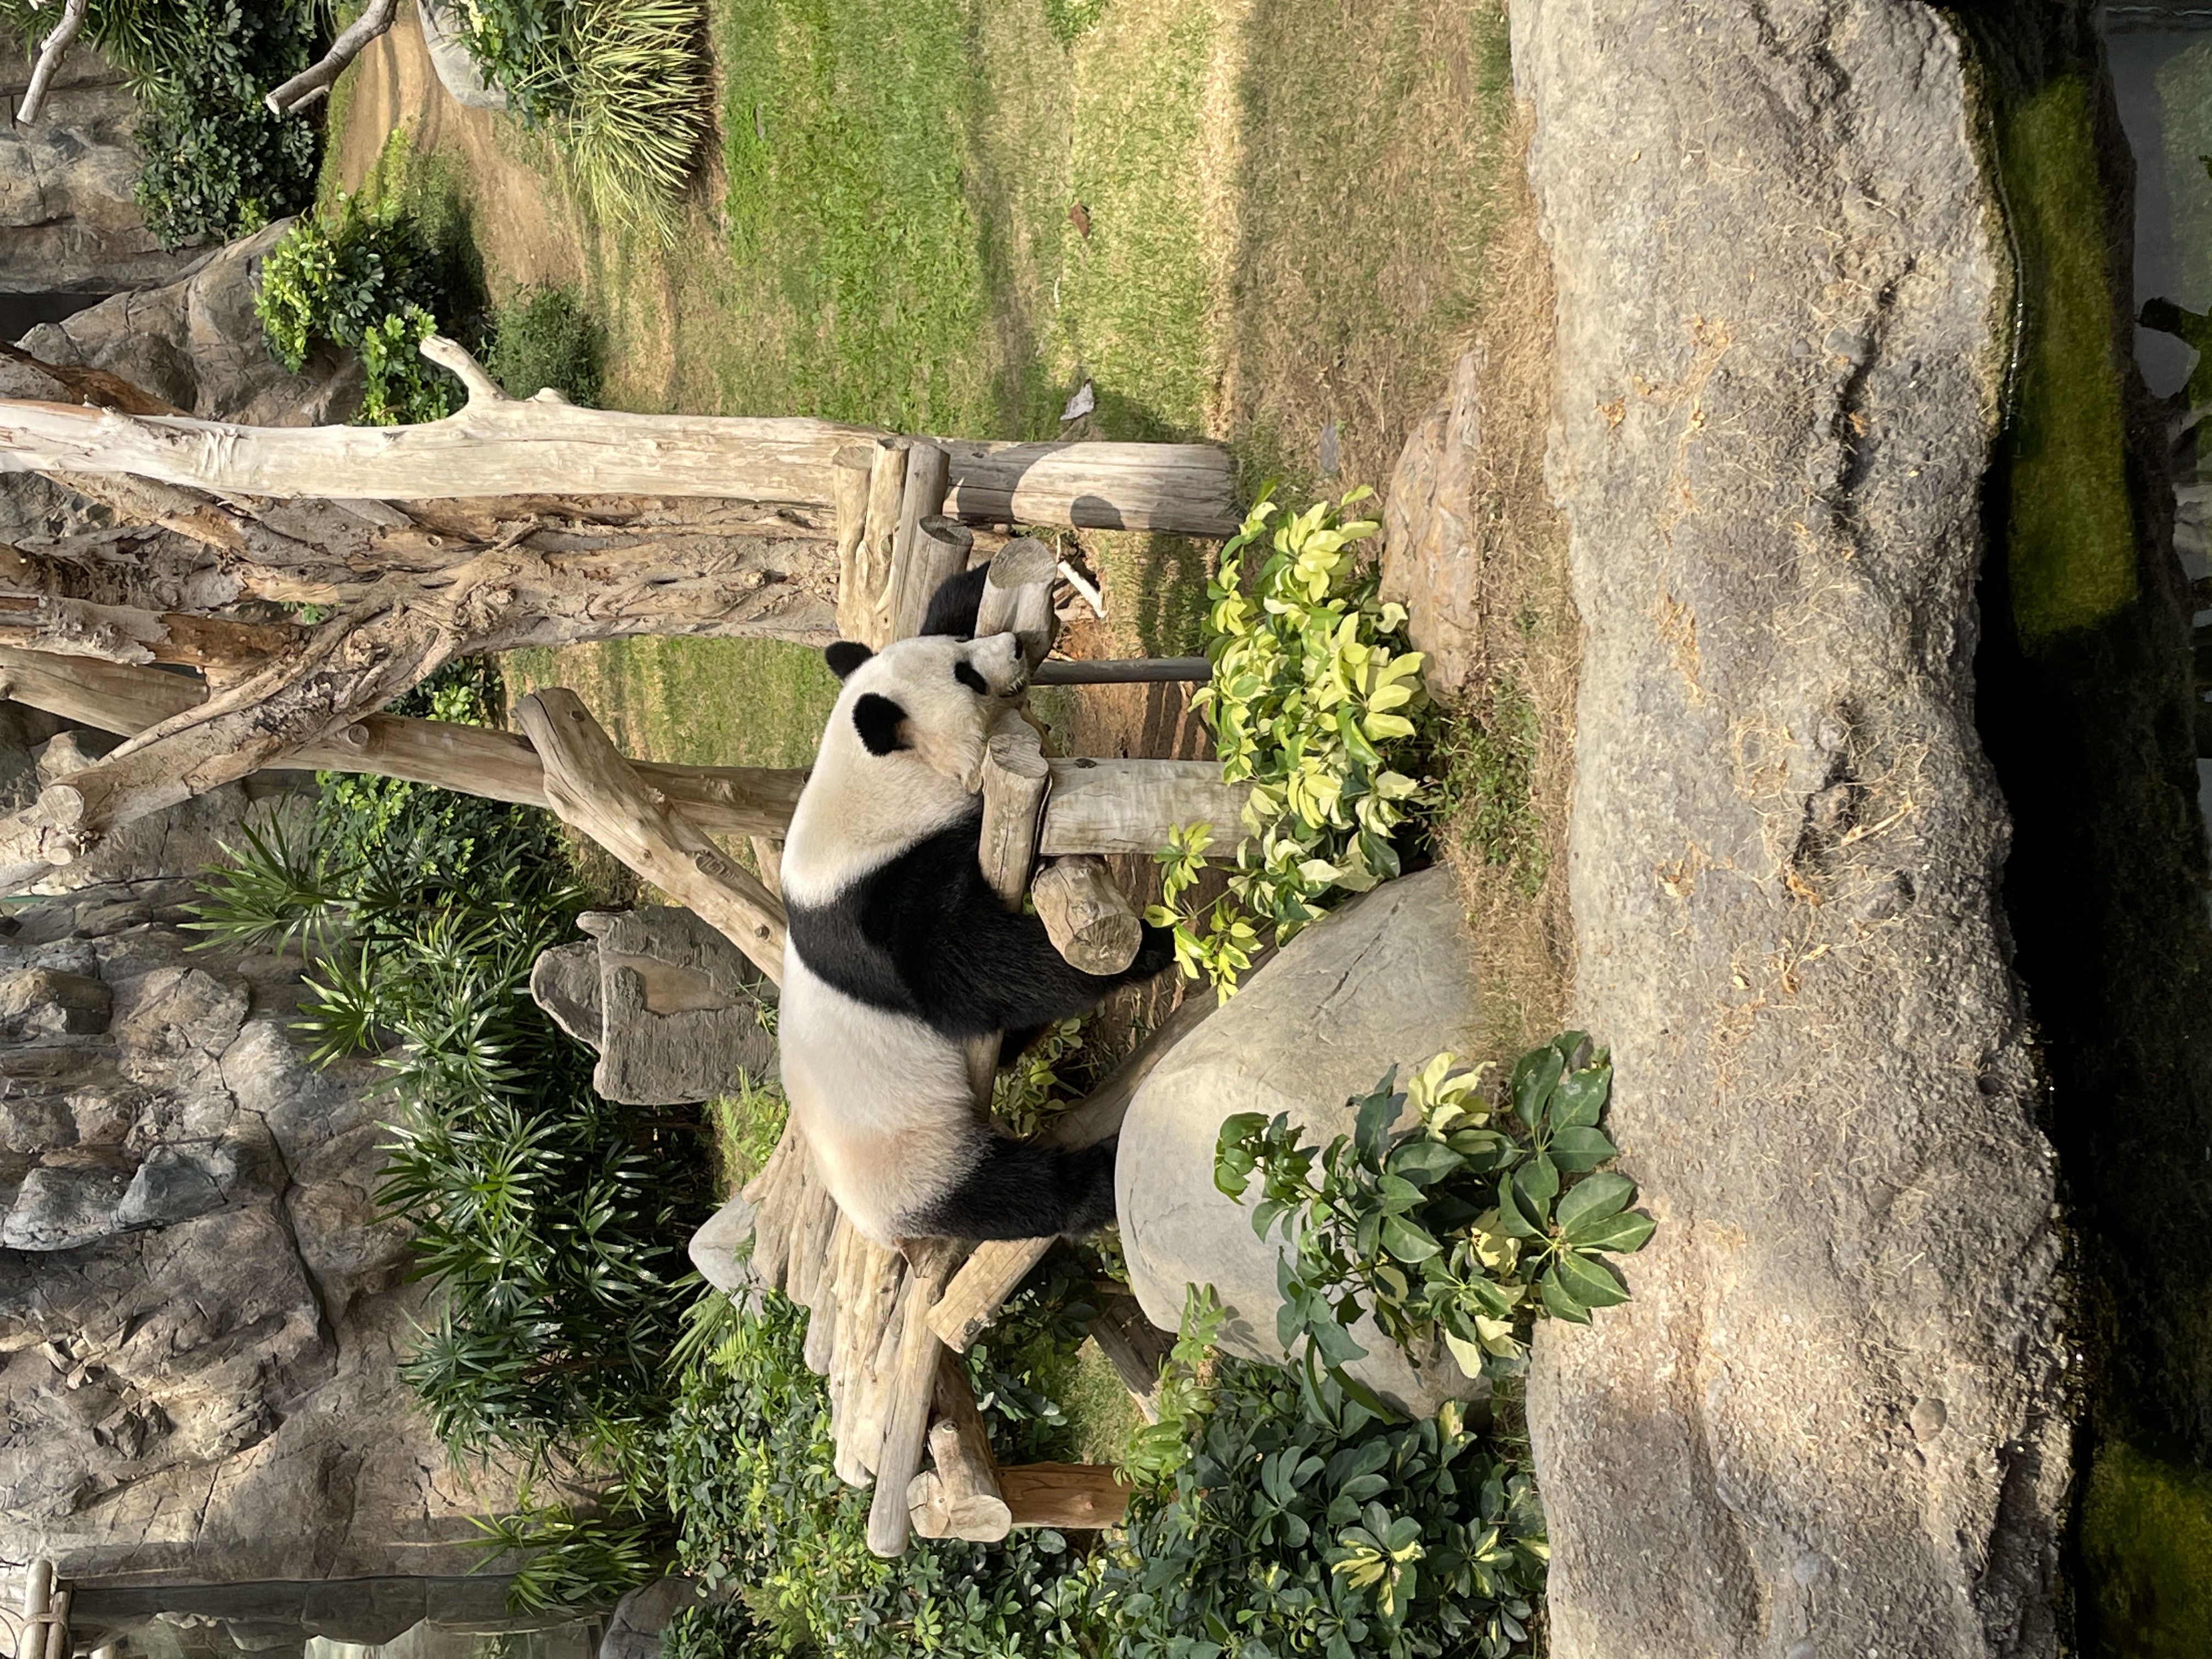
[(1089, 920)]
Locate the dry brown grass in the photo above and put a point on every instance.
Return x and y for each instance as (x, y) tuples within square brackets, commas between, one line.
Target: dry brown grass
[(1528, 655)]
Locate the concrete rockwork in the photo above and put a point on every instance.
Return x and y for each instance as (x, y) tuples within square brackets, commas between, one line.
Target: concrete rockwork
[(1829, 1422)]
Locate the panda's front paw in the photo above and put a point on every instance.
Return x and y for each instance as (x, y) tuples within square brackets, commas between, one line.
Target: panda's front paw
[(1154, 955)]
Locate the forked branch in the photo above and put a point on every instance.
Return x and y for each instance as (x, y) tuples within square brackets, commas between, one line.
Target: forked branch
[(49, 60), (312, 81)]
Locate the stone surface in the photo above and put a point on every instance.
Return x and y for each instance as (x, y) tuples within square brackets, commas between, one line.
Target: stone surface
[(68, 222), (200, 1311), (634, 1627), (1382, 982), (47, 1002), (667, 1001), (720, 1249), (457, 71), (1823, 1086), (196, 342), (1429, 563)]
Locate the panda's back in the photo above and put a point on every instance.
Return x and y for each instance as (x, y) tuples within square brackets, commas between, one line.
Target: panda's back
[(864, 937)]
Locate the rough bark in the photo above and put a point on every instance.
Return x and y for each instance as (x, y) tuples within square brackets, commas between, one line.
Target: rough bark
[(906, 1420)]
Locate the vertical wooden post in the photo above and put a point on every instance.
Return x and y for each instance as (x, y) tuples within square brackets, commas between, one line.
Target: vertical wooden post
[(871, 613), (850, 473), (928, 473), (906, 1422)]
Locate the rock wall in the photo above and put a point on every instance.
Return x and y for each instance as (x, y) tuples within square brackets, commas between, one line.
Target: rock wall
[(200, 1313), (1829, 1423), (68, 223)]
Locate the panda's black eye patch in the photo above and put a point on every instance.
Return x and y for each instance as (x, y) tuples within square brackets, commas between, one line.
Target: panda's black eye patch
[(964, 671), (877, 719)]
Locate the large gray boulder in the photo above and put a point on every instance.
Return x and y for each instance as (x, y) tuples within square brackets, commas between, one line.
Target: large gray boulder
[(197, 343), (1383, 982), (457, 71), (1830, 1422)]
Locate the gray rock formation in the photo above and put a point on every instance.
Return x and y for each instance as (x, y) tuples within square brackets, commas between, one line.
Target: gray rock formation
[(634, 1627), (196, 342), (1382, 982), (1428, 560), (669, 1004), (200, 1310), (457, 71), (1830, 1421), (68, 223)]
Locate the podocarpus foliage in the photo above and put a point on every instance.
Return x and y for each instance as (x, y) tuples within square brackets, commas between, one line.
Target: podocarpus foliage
[(1481, 1215), (550, 1223), (1312, 702)]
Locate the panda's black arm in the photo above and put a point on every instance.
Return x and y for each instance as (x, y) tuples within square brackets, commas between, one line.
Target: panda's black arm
[(970, 965), (953, 607)]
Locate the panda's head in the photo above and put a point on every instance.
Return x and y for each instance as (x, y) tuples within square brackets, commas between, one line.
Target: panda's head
[(932, 697)]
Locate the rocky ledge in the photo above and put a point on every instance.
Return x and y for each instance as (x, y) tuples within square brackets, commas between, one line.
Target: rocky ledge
[(1829, 1421)]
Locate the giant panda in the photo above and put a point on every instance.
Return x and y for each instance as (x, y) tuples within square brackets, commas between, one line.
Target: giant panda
[(898, 950)]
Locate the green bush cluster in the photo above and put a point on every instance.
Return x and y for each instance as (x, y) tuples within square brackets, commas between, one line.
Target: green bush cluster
[(1461, 1228), (550, 1223), (367, 279), (1311, 703), (621, 86), (1280, 1516), (218, 163)]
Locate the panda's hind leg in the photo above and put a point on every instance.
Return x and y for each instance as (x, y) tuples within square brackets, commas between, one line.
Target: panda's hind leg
[(1022, 1190)]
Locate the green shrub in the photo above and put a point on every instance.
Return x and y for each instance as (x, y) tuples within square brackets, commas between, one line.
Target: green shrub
[(550, 1223), (368, 281), (1291, 1519), (545, 337), (218, 163), (621, 86), (1310, 703), (750, 1470), (1462, 1228)]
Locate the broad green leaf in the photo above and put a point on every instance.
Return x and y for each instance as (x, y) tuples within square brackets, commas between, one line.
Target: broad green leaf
[(1580, 1098), (1423, 1161), (1587, 1282), (1558, 1303), (1405, 1242), (1625, 1232), (1580, 1148), (1398, 1194), (1534, 1078), (1510, 1217), (1595, 1197), (1336, 1344)]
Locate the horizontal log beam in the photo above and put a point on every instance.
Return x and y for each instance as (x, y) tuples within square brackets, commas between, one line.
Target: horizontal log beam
[(507, 447)]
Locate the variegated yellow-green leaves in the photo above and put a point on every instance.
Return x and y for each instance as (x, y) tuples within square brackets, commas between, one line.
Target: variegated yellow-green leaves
[(1464, 1226), (1312, 702)]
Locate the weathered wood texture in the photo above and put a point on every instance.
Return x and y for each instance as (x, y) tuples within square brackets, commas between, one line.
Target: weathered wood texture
[(538, 446), (1080, 1496), (959, 1497), (1127, 805), (592, 786), (1089, 920), (1018, 599), (913, 1375), (919, 561), (1135, 1347)]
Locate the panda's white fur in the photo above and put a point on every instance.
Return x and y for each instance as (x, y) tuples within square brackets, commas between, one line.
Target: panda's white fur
[(859, 1078)]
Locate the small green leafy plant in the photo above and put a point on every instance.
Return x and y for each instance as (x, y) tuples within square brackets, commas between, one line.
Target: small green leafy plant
[(365, 280), (1312, 703), (1274, 1513), (546, 338), (1464, 1227)]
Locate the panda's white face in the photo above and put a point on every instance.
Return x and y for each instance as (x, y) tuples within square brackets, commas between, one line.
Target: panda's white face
[(901, 756)]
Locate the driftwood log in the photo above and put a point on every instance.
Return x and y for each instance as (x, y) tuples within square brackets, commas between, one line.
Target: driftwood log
[(1064, 1495), (589, 785), (959, 1497), (543, 446), (1089, 920)]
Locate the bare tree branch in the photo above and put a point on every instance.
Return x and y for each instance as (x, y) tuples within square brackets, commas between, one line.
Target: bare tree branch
[(312, 81), (77, 628), (50, 60)]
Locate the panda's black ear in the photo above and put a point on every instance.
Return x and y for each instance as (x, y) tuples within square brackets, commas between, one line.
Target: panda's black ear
[(845, 656), (877, 719)]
